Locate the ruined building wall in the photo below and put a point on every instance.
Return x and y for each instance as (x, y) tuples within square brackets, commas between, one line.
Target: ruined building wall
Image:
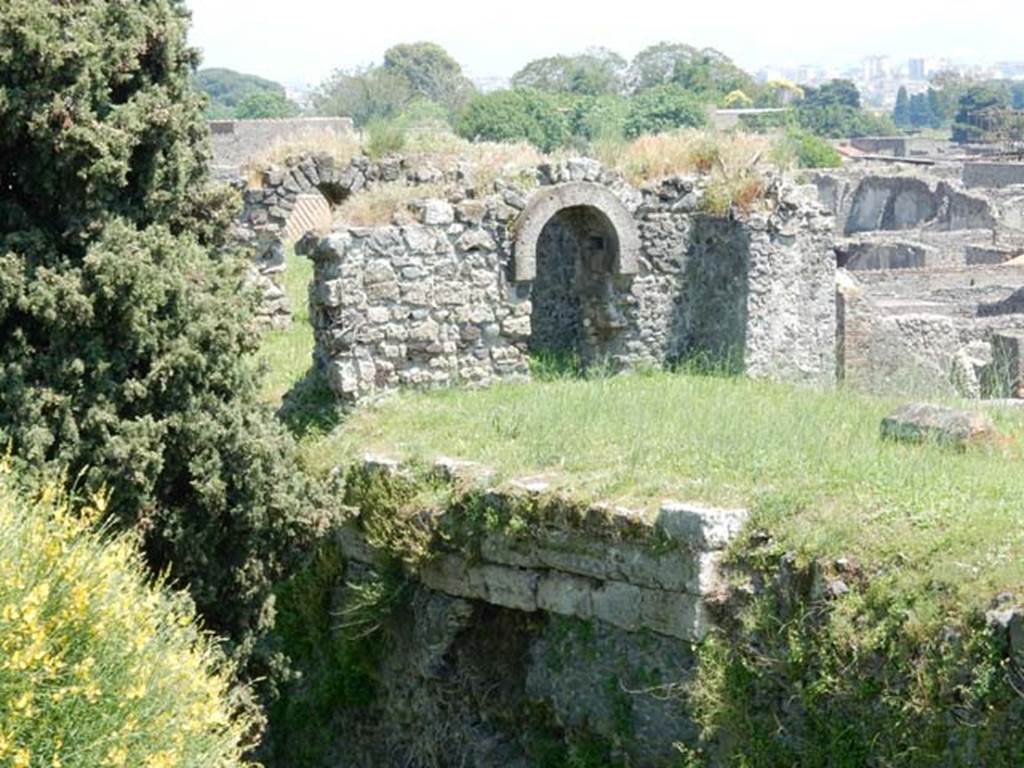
[(930, 279), (422, 304), (584, 264), (237, 142)]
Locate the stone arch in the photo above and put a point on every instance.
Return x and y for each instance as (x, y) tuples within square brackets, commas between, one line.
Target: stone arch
[(595, 198)]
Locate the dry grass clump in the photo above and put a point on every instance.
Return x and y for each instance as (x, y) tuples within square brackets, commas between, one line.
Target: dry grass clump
[(736, 164), (385, 204), (487, 160), (650, 158)]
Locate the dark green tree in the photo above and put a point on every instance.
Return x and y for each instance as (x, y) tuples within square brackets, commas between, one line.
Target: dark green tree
[(901, 112), (365, 95), (981, 110), (664, 108), (834, 93), (126, 356), (919, 111), (263, 104), (430, 72), (711, 74), (516, 115), (227, 88)]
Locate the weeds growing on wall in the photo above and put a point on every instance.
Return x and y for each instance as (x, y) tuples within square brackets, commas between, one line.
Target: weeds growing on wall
[(804, 674), (331, 624)]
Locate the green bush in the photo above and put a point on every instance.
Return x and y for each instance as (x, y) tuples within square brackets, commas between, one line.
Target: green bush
[(664, 108), (600, 118), (384, 137), (127, 353), (516, 115), (810, 151), (97, 667)]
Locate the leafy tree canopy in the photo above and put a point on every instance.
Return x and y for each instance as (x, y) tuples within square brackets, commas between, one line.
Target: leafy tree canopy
[(429, 72), (664, 108), (595, 72), (516, 115), (227, 89), (264, 104)]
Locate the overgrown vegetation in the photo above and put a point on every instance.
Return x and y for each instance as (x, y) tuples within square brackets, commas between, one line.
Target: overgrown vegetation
[(804, 673), (809, 463), (856, 628), (98, 666), (234, 94), (128, 339)]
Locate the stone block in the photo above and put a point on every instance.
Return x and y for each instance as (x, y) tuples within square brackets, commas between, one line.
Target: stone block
[(921, 422), (514, 588), (618, 604), (699, 527), (436, 212), (565, 595), (452, 575), (673, 613)]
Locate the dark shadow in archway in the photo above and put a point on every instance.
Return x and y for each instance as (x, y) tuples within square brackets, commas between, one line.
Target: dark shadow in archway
[(572, 315)]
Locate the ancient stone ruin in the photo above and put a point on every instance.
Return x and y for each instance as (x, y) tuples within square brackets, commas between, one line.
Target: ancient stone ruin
[(902, 280), (930, 280), (583, 265)]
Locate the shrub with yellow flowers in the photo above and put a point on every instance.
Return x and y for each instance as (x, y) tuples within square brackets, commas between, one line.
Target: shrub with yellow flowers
[(98, 666)]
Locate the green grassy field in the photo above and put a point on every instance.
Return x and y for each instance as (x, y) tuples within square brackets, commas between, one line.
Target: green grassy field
[(287, 354), (809, 463)]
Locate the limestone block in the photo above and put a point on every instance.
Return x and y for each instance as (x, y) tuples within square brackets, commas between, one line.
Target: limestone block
[(476, 240), (565, 595), (378, 271), (436, 212), (516, 327), (514, 588), (383, 291), (673, 613), (700, 527), (450, 574), (618, 604), (920, 422)]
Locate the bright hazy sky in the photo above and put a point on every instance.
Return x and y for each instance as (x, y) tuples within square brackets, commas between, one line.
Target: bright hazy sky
[(302, 41)]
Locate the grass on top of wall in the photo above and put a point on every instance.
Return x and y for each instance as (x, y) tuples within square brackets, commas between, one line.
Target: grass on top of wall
[(809, 464)]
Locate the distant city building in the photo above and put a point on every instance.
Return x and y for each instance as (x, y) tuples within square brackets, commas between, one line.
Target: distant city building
[(917, 69)]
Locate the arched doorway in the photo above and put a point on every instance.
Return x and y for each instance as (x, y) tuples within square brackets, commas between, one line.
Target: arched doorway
[(572, 242)]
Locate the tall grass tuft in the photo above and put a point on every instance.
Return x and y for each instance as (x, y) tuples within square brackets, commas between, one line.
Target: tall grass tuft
[(97, 666)]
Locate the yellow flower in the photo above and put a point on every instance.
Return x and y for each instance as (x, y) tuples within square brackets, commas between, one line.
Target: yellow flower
[(22, 758), (117, 756)]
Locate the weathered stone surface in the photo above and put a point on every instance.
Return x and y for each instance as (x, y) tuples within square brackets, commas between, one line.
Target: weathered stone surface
[(699, 526), (920, 422)]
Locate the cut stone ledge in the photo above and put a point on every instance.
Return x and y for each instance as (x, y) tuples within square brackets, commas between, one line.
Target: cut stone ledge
[(698, 526)]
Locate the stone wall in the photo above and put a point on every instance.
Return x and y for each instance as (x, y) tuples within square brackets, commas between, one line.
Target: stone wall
[(237, 142), (993, 174), (930, 278), (926, 331), (298, 198), (587, 613), (622, 276)]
